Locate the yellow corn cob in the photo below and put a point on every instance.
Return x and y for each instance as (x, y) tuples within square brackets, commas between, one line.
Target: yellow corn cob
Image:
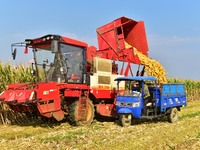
[(152, 67)]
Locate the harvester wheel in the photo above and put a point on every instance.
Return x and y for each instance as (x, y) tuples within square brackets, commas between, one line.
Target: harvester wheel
[(173, 115), (73, 114), (125, 120)]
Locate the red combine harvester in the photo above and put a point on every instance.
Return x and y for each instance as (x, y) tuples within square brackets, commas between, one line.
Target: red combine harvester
[(74, 79)]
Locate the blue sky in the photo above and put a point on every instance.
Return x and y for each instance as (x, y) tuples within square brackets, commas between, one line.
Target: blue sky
[(172, 27)]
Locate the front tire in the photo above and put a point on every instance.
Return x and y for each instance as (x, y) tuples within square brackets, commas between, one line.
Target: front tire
[(173, 115), (125, 120), (73, 114)]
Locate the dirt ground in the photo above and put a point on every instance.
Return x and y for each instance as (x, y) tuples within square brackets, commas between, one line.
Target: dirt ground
[(145, 134)]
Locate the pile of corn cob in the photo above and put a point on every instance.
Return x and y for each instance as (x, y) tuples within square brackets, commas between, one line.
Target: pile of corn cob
[(152, 67)]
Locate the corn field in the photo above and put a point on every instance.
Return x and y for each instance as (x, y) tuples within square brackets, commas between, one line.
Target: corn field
[(16, 74), (21, 73), (192, 88)]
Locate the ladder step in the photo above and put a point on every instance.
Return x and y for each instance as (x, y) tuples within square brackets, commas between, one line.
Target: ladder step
[(82, 112)]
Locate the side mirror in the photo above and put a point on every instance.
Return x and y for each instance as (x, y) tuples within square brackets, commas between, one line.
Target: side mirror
[(54, 46), (14, 52)]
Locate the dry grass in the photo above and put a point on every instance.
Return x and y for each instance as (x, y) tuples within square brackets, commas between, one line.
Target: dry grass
[(157, 134)]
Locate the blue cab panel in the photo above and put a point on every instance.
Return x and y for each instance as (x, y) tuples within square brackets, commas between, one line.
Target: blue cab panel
[(129, 104)]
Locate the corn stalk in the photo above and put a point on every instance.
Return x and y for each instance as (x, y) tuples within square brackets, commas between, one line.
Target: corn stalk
[(12, 74), (192, 88)]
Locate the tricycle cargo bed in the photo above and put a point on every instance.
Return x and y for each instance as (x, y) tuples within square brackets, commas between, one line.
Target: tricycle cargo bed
[(172, 89), (172, 95)]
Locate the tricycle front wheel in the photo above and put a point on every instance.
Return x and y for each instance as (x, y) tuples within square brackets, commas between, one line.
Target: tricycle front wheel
[(125, 120)]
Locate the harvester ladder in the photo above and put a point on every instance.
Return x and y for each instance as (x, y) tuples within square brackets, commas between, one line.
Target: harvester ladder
[(83, 106)]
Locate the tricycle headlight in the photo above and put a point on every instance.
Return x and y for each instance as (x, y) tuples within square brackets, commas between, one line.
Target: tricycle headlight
[(137, 104)]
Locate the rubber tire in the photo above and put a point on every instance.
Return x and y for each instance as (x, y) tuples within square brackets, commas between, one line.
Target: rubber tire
[(73, 114), (125, 120), (173, 115)]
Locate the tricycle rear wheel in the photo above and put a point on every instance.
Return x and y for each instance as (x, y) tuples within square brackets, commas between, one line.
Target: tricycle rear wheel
[(125, 120), (173, 115)]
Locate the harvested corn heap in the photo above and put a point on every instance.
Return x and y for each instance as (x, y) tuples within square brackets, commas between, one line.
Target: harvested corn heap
[(152, 67)]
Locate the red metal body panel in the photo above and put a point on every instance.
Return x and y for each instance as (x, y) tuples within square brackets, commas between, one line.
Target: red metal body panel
[(106, 110), (18, 96), (137, 37), (17, 86), (74, 42), (113, 36), (123, 30), (44, 44), (72, 93), (72, 86), (100, 94), (49, 103), (17, 93), (48, 98), (46, 91)]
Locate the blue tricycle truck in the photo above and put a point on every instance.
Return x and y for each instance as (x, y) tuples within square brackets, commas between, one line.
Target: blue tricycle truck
[(143, 97)]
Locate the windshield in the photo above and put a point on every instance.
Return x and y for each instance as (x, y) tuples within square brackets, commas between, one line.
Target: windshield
[(48, 65), (74, 62), (64, 65), (132, 88), (127, 92)]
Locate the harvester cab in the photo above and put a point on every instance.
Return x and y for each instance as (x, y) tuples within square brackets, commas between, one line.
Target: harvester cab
[(56, 59)]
